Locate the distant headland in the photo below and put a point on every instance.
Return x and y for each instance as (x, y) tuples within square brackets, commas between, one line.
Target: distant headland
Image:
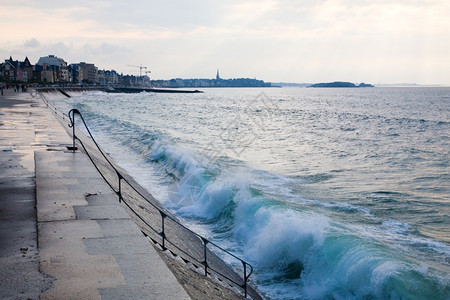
[(216, 82), (339, 84)]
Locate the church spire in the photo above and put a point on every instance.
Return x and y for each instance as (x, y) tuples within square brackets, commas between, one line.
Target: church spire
[(217, 75)]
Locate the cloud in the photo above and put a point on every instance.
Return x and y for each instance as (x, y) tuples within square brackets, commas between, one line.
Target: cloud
[(110, 49), (32, 43), (105, 55)]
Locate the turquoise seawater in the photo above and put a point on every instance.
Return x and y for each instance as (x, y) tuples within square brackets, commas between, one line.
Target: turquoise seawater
[(328, 193)]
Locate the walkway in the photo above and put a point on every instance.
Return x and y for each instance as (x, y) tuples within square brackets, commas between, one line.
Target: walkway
[(89, 247)]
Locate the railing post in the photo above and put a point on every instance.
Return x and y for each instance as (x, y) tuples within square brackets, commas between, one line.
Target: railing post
[(205, 241), (73, 133), (119, 193), (245, 278), (72, 124), (163, 234)]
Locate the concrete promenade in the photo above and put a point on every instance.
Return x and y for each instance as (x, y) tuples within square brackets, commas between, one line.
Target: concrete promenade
[(63, 234)]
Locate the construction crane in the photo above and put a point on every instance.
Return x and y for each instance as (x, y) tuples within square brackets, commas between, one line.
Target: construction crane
[(141, 67)]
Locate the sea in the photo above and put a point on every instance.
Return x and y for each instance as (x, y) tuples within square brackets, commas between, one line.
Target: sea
[(329, 193)]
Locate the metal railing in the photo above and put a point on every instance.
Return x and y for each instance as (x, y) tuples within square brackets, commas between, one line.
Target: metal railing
[(168, 224)]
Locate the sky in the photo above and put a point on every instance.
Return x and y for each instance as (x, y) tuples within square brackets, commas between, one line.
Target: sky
[(372, 41)]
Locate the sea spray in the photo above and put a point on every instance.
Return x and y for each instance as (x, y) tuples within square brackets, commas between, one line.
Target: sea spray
[(305, 253), (284, 238)]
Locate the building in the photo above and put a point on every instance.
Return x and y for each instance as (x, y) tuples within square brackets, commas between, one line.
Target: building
[(55, 64), (9, 70), (14, 70), (101, 77), (47, 75), (75, 73), (27, 68), (111, 77), (107, 77), (88, 72)]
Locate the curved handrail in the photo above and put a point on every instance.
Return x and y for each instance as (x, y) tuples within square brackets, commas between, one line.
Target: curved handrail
[(163, 214)]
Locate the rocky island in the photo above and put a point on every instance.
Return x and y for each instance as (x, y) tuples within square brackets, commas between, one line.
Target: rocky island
[(339, 84)]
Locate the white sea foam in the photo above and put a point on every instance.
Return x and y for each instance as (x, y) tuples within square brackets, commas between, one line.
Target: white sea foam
[(281, 237)]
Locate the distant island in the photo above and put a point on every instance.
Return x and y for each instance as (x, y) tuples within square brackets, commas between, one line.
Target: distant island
[(339, 84)]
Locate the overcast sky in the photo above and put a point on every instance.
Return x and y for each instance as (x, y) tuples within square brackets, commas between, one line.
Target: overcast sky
[(373, 41)]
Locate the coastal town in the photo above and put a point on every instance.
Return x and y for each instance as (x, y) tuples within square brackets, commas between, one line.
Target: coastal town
[(55, 71)]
